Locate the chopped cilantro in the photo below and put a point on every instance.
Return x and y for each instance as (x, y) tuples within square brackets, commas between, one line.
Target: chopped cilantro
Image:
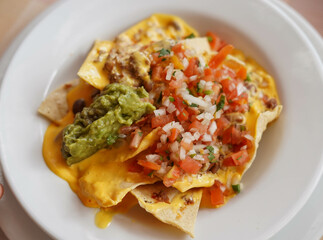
[(198, 89), (208, 92), (220, 105), (210, 148), (151, 174), (236, 188), (192, 35), (194, 105), (248, 79), (230, 101), (140, 134), (161, 158), (167, 152), (209, 38), (179, 139), (163, 52), (168, 157), (200, 65), (206, 66), (174, 73), (185, 103), (211, 157), (171, 99), (242, 128), (164, 59), (189, 91), (192, 155)]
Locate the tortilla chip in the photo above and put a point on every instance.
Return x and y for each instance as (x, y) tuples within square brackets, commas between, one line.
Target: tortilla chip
[(55, 106), (174, 208), (169, 27), (92, 68), (262, 121), (108, 183)]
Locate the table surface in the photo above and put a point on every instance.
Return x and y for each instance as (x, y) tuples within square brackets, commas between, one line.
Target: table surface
[(16, 14)]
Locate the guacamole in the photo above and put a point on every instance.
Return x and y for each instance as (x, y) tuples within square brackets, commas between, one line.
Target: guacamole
[(97, 126)]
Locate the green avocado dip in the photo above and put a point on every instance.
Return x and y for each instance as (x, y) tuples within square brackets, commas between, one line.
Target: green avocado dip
[(97, 126)]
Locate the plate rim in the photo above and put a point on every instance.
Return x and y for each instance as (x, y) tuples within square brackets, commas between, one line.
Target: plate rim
[(54, 8)]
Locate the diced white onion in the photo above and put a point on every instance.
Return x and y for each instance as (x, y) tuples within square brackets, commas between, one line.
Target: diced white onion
[(191, 99), (222, 188), (182, 153), (187, 140), (160, 112), (207, 138), (171, 108), (218, 114), (202, 84), (185, 63), (240, 89), (152, 157), (198, 157), (197, 135), (179, 75), (174, 146), (191, 152), (248, 136), (163, 138), (163, 169), (193, 78), (198, 147), (243, 147), (188, 135), (166, 102), (170, 69), (171, 125), (212, 128)]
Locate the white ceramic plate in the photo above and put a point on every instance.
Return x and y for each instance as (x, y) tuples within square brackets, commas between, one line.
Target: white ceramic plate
[(289, 160)]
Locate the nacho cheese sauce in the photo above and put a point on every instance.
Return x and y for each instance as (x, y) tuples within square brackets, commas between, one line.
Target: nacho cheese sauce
[(201, 138)]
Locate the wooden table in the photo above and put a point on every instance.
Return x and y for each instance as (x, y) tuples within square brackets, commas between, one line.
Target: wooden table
[(16, 14)]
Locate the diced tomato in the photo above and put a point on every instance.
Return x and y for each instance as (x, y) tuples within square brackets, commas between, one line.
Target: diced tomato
[(150, 165), (228, 162), (134, 167), (179, 103), (229, 88), (220, 57), (208, 75), (190, 165), (187, 146), (192, 68), (215, 42), (178, 50), (173, 134), (160, 121), (199, 126), (174, 84), (240, 157), (163, 149), (193, 111), (172, 176), (183, 115), (232, 136), (236, 159), (137, 136), (222, 123), (217, 196), (157, 74), (242, 73)]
